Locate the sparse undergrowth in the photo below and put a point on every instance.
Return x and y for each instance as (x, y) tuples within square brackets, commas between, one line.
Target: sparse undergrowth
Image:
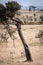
[(36, 44)]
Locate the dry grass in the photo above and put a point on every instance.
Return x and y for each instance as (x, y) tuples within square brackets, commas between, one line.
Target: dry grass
[(36, 44)]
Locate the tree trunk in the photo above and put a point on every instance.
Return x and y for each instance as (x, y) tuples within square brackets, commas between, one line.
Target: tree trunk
[(18, 25), (28, 55)]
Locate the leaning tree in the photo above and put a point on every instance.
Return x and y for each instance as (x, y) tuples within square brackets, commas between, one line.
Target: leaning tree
[(7, 12)]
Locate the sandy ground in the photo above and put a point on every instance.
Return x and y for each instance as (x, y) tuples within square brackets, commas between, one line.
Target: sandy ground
[(36, 51), (37, 57)]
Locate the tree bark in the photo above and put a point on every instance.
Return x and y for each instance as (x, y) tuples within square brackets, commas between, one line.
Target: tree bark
[(27, 51)]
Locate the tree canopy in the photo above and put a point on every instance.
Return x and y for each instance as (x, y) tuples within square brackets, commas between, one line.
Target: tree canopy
[(12, 7), (9, 9), (2, 12)]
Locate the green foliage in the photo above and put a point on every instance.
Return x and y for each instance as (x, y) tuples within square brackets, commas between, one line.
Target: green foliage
[(40, 36), (2, 12), (8, 10), (32, 8), (41, 17), (12, 7)]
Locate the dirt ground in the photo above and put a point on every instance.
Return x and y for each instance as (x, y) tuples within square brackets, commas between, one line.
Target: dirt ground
[(36, 50), (37, 57)]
